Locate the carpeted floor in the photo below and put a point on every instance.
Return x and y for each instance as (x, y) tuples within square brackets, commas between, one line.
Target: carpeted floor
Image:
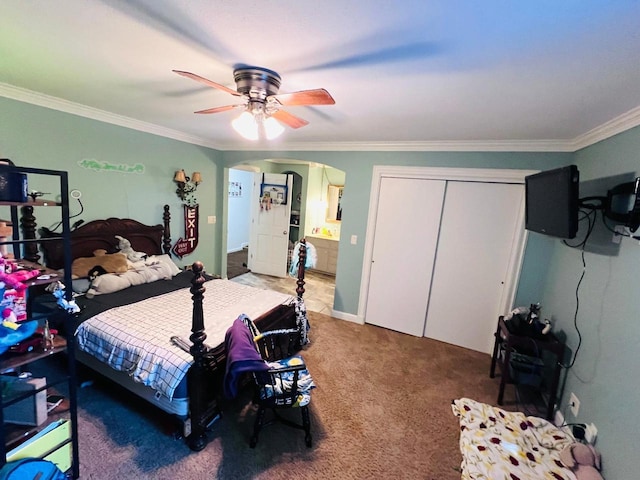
[(381, 410), (237, 263)]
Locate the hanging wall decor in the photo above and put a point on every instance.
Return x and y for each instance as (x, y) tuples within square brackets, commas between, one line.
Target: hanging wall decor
[(185, 246), (276, 193), (235, 189)]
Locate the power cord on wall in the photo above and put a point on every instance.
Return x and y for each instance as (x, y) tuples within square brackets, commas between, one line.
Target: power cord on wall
[(75, 225), (590, 216)]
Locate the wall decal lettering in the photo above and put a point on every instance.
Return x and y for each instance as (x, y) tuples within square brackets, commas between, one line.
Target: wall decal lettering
[(98, 166)]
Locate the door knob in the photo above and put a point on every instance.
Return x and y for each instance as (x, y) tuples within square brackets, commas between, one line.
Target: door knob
[(284, 232)]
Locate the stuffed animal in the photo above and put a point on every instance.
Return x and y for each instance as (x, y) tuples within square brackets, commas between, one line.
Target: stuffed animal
[(14, 280), (57, 289), (124, 246), (583, 460), (9, 319), (110, 262)]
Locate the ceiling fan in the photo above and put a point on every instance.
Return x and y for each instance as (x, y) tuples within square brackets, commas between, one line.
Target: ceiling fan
[(261, 103)]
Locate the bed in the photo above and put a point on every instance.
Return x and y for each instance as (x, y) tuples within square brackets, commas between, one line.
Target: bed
[(176, 364), (498, 444)]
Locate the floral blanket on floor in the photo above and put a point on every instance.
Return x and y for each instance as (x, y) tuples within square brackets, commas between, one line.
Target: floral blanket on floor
[(496, 444)]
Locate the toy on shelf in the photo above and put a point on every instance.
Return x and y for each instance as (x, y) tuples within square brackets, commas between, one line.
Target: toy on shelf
[(58, 291), (527, 321), (11, 336), (9, 319), (16, 279), (13, 290)]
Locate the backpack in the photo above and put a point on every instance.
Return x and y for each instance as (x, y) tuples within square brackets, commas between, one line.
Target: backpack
[(28, 468)]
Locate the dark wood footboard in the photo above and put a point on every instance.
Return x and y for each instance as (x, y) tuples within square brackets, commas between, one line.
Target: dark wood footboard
[(205, 377)]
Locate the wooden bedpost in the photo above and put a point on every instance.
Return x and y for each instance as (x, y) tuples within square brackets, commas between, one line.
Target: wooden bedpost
[(302, 260), (166, 234), (28, 223), (196, 439)]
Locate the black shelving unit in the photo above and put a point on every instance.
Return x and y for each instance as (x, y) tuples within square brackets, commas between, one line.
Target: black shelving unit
[(25, 247)]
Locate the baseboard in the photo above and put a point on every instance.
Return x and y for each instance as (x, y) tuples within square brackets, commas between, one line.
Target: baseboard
[(234, 250), (350, 317)]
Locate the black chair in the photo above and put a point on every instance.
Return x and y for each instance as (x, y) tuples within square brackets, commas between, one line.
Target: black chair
[(286, 384)]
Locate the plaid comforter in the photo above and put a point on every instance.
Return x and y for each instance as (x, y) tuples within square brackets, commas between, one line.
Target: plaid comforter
[(136, 338)]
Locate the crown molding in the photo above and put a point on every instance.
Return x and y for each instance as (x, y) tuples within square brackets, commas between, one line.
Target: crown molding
[(620, 124), (427, 146), (617, 125), (55, 103)]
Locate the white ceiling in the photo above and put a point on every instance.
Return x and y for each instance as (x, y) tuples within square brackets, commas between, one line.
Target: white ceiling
[(412, 74)]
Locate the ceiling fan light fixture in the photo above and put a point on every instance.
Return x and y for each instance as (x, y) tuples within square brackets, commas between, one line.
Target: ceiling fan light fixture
[(247, 126), (272, 128), (254, 126), (258, 87)]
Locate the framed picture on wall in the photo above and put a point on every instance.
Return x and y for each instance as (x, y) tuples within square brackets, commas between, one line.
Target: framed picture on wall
[(235, 189), (277, 193)]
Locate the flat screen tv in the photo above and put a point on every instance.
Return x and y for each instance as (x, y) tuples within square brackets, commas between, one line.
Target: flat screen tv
[(552, 202)]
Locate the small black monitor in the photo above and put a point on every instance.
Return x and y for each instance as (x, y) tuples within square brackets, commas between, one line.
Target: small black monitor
[(552, 202), (622, 204)]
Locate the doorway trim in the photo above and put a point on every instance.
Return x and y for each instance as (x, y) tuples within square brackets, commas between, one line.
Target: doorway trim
[(484, 175)]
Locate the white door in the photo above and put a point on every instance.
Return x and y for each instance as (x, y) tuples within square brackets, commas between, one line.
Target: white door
[(477, 237), (405, 238), (269, 239)]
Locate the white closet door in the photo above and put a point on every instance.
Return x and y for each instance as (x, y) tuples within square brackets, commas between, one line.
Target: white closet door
[(479, 225), (405, 239)]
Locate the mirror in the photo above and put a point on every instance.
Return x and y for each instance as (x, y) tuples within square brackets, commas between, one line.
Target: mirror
[(334, 198)]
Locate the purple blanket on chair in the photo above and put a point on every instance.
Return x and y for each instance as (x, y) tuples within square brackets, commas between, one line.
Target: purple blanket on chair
[(242, 356)]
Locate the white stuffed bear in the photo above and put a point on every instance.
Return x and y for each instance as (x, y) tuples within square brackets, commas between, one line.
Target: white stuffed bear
[(124, 246)]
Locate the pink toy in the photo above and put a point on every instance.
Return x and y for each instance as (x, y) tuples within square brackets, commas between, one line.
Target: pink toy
[(15, 279), (583, 460), (8, 315)]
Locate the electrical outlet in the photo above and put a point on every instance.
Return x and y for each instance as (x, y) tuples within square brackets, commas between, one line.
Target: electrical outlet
[(590, 433), (574, 403)]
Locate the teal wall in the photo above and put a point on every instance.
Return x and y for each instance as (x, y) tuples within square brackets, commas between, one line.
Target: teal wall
[(606, 374), (40, 137), (358, 168)]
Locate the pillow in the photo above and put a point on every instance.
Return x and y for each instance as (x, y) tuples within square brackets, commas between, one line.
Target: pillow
[(107, 283), (112, 263), (81, 285), (111, 282), (166, 260)]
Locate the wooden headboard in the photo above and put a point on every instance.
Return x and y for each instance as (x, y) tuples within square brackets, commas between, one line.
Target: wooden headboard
[(101, 234)]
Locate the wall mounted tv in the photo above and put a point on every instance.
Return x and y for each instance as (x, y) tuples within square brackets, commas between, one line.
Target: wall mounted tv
[(552, 202)]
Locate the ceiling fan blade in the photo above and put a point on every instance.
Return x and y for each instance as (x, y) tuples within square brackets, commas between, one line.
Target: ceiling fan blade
[(289, 119), (200, 79), (409, 52), (319, 96), (220, 109)]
